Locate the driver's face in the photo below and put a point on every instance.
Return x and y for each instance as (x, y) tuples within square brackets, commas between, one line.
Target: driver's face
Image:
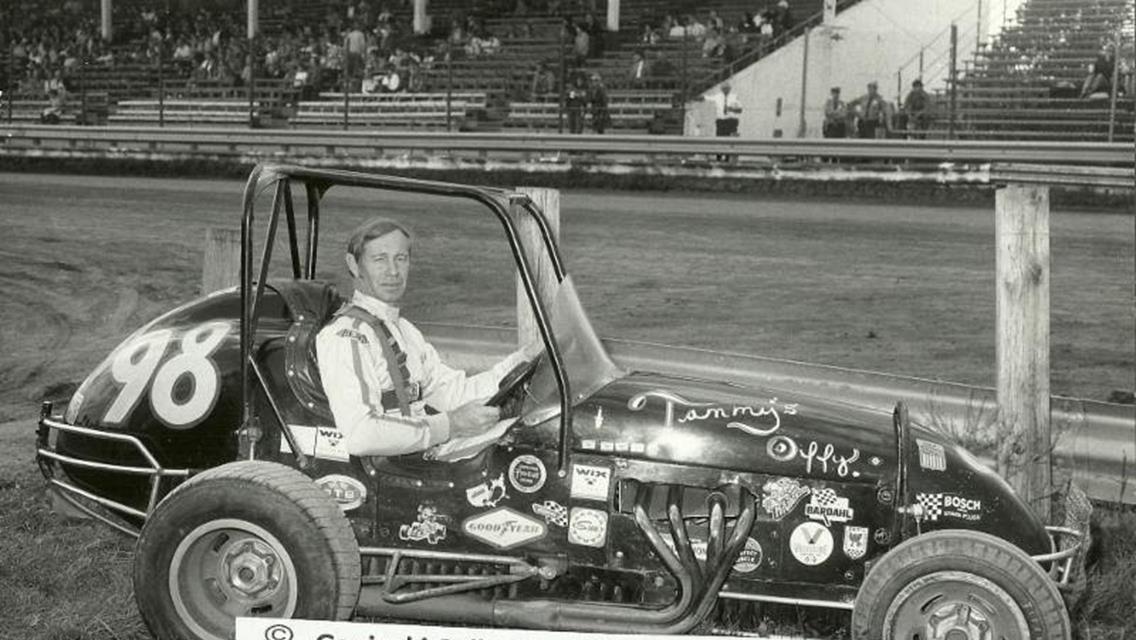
[(382, 269)]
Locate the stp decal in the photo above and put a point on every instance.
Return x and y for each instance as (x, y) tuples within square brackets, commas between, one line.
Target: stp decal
[(430, 526), (487, 494), (587, 527), (855, 542), (504, 528), (590, 482), (811, 543), (347, 492), (527, 474)]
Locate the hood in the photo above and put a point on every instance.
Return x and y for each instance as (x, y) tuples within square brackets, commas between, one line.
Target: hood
[(716, 424)]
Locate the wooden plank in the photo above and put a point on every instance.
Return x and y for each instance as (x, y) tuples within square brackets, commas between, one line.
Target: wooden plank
[(548, 201), (1021, 231), (221, 267)]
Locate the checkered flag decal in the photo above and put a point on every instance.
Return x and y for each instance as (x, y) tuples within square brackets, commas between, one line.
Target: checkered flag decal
[(824, 497), (932, 504)]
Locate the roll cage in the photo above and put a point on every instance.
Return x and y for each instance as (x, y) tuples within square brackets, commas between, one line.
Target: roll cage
[(316, 183)]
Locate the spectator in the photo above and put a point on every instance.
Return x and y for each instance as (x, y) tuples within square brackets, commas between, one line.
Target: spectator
[(714, 46), (597, 98), (917, 110), (871, 113), (713, 21), (782, 18), (1099, 79), (835, 116), (55, 109), (543, 81), (355, 47), (727, 108), (637, 75), (576, 100), (582, 46)]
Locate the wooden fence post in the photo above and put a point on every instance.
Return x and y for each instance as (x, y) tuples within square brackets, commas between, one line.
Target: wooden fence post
[(1022, 282), (221, 267), (548, 201)]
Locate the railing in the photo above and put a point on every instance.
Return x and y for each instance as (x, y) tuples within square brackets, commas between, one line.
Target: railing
[(888, 155)]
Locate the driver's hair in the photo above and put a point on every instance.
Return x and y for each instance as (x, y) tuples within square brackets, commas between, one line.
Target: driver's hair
[(371, 229)]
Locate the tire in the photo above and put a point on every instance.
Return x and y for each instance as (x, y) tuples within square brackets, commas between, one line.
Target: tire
[(936, 578), (250, 538)]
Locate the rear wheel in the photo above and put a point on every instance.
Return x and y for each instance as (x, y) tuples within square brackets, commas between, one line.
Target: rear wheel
[(958, 585), (244, 539)]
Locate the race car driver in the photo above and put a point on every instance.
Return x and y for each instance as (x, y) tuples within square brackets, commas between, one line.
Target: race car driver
[(389, 391)]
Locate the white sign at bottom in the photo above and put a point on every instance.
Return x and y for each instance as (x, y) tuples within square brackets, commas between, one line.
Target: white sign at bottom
[(279, 629)]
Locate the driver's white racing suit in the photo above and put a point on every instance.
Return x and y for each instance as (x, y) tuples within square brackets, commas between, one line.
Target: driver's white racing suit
[(360, 390)]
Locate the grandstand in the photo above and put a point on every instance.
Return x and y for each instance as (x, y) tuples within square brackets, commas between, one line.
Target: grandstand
[(1027, 83), (1024, 84)]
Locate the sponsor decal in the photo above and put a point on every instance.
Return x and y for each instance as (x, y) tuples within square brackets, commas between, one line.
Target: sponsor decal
[(855, 542), (607, 445), (750, 558), (352, 334), (931, 455), (590, 482), (782, 496), (347, 492), (811, 543), (325, 443), (949, 505), (638, 447), (504, 528), (588, 443), (487, 494), (430, 526), (553, 512), (826, 506), (587, 527), (527, 474)]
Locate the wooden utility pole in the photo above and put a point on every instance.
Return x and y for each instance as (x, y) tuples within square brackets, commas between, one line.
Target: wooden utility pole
[(548, 201), (221, 267), (1021, 229)]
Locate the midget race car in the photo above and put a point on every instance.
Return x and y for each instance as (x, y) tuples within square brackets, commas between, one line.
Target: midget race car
[(616, 501)]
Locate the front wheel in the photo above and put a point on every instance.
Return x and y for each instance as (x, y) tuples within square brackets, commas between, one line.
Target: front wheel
[(958, 585), (244, 539)]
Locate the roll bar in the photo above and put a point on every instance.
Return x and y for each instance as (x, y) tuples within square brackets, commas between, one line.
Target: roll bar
[(316, 183)]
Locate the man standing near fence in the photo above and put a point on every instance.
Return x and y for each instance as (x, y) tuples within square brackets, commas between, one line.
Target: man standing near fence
[(726, 110), (835, 116)]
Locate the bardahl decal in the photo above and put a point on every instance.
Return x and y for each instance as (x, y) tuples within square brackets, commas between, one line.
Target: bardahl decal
[(828, 507), (590, 482), (504, 528), (347, 492), (527, 474), (782, 496), (587, 527), (487, 494), (811, 543)]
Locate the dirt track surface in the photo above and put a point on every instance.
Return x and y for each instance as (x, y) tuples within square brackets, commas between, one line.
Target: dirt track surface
[(910, 290)]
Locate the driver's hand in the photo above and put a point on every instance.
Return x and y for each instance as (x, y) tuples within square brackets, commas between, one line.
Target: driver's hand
[(472, 419)]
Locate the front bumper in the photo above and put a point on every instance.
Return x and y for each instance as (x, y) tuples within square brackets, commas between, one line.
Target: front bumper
[(114, 514)]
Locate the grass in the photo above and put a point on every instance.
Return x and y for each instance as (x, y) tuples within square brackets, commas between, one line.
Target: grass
[(902, 289)]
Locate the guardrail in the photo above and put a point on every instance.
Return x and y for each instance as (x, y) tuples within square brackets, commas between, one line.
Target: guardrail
[(1095, 441), (834, 155)]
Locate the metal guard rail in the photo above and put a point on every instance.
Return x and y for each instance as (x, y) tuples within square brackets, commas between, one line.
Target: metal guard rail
[(1089, 154)]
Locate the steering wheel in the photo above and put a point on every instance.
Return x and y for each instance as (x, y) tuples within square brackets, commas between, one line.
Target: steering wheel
[(511, 390)]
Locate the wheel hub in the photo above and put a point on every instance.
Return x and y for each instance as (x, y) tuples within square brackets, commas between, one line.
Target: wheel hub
[(253, 569), (958, 621)]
